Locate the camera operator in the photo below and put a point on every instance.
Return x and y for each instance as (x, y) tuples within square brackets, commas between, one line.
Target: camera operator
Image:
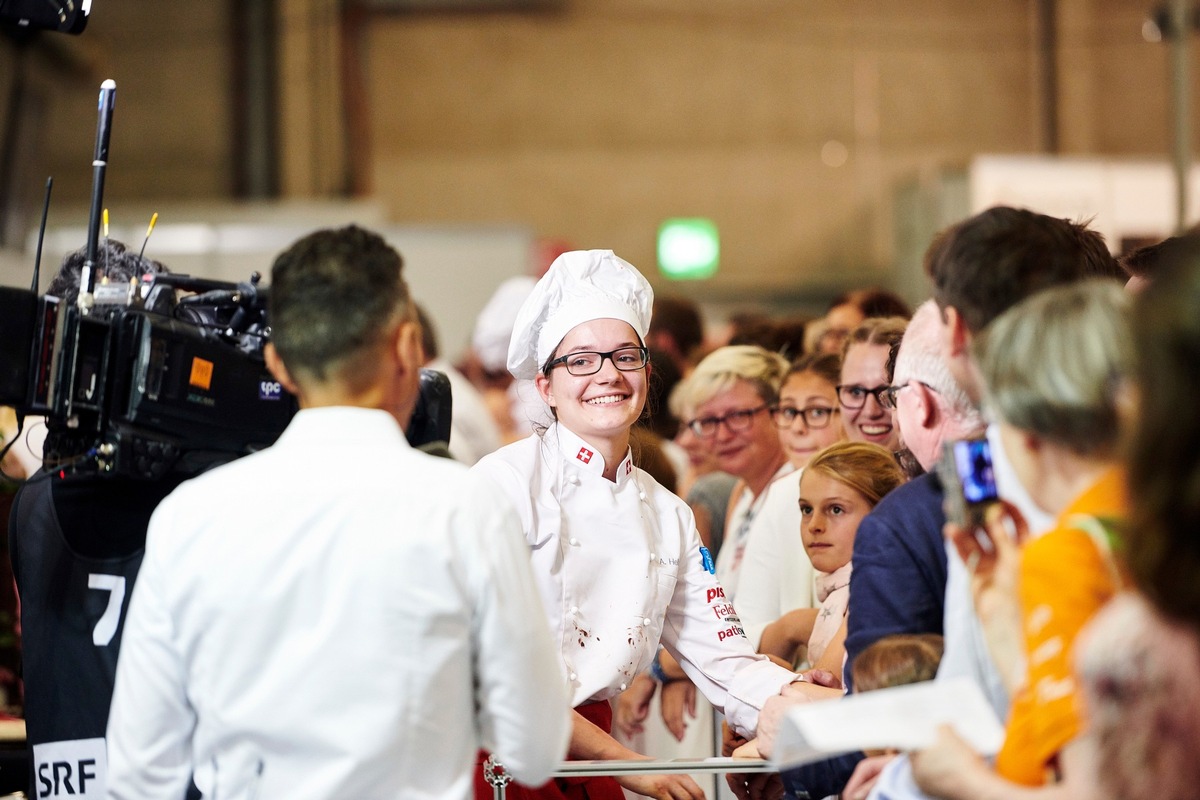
[(76, 545), (337, 615)]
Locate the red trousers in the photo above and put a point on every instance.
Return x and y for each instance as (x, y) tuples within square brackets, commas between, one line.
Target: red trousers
[(587, 788)]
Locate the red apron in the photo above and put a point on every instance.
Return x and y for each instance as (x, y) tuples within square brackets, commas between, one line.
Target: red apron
[(584, 788)]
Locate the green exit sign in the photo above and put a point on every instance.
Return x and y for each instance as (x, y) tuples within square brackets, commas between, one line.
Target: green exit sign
[(688, 249)]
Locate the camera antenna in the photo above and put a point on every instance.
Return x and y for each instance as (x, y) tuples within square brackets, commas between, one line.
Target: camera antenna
[(37, 259), (149, 230), (105, 223), (87, 279)]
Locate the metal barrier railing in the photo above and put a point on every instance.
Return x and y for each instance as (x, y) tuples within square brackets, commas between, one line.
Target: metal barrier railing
[(498, 778)]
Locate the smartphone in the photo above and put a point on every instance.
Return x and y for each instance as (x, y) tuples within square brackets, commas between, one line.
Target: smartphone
[(968, 480)]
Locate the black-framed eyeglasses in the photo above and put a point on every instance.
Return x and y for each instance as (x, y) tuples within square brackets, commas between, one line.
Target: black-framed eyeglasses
[(855, 396), (734, 420), (588, 362), (889, 398), (813, 416)]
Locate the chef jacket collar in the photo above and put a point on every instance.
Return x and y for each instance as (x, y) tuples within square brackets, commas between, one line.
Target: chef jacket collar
[(581, 455)]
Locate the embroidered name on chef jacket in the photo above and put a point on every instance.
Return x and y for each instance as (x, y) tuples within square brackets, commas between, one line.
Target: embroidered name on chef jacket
[(585, 455)]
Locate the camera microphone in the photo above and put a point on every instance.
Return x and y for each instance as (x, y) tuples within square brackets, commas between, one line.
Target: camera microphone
[(215, 297), (87, 279)]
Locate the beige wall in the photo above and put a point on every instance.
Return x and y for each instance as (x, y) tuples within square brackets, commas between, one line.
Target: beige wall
[(597, 121)]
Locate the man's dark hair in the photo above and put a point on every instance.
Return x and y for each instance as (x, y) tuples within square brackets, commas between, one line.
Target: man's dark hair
[(664, 376), (333, 294), (873, 302), (113, 261), (785, 336), (1146, 262), (680, 318), (986, 264)]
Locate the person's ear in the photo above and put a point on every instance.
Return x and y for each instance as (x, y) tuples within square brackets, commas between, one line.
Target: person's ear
[(542, 382), (927, 409), (407, 346), (279, 370)]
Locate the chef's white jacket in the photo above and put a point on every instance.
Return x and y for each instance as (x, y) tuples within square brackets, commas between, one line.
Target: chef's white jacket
[(321, 619), (620, 567)]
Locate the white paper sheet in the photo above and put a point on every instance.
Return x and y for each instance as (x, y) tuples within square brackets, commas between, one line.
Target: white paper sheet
[(903, 718)]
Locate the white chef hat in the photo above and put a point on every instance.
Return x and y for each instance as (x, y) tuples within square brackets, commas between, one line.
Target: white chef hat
[(580, 286), (494, 325)]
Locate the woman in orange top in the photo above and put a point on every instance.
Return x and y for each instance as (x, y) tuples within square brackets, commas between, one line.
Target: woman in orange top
[(1049, 366)]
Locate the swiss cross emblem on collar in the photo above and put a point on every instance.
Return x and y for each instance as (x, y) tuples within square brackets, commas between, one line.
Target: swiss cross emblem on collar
[(584, 455)]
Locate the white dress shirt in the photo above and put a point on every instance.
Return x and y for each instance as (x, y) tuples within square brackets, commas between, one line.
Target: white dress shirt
[(323, 618), (742, 517), (619, 566), (776, 576)]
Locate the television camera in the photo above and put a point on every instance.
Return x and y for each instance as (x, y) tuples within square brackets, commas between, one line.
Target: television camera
[(162, 374), (149, 380)]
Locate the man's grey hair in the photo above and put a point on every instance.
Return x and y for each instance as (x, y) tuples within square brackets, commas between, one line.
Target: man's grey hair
[(922, 358)]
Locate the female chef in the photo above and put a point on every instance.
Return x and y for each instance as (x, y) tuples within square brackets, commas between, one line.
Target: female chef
[(617, 557)]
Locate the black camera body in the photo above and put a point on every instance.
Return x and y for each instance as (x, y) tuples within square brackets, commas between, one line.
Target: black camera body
[(66, 16), (162, 376), (159, 375), (148, 381)]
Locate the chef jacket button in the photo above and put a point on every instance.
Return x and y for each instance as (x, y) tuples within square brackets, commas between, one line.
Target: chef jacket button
[(572, 676), (652, 558), (574, 541), (646, 621), (624, 686), (641, 495), (574, 609), (573, 480)]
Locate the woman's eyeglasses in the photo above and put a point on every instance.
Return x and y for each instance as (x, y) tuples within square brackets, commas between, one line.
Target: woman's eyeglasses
[(855, 396), (813, 416), (587, 362), (734, 420)]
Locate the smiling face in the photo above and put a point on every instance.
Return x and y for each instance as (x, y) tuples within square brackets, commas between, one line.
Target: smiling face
[(752, 454), (830, 512), (602, 407), (865, 366), (811, 392)]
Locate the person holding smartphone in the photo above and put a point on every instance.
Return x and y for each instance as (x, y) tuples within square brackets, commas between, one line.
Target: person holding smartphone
[(1048, 366)]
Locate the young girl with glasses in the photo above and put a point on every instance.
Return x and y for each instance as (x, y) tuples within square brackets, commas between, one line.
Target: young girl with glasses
[(617, 558)]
